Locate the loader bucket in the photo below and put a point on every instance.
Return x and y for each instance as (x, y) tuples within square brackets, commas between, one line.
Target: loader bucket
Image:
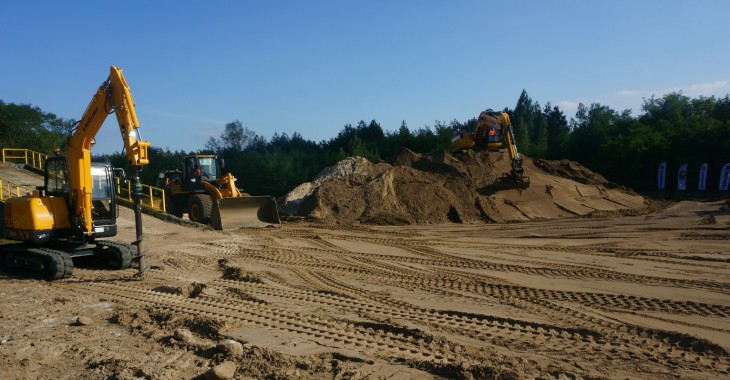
[(246, 211)]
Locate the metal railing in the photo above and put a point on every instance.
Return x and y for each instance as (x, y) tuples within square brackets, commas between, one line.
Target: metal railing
[(11, 189), (152, 197), (25, 156)]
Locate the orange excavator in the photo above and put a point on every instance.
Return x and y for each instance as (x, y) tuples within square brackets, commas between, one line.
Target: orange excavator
[(493, 130), (65, 218)]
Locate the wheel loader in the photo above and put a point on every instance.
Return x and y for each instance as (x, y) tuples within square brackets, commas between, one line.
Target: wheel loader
[(210, 197)]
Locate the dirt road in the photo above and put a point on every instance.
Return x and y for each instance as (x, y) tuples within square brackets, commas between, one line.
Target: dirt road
[(630, 297)]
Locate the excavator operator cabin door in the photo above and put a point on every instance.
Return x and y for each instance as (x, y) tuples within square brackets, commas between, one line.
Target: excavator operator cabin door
[(494, 138), (103, 201), (56, 177)]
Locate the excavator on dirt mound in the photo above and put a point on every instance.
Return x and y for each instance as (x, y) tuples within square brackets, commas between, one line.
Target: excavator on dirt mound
[(208, 196), (64, 219), (493, 130)]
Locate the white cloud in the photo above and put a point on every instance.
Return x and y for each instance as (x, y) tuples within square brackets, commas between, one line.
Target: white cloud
[(568, 107), (627, 94), (633, 99), (567, 104), (694, 90)]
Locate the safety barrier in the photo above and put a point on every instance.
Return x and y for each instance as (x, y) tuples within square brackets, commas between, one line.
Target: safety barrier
[(11, 189), (25, 156), (152, 197)]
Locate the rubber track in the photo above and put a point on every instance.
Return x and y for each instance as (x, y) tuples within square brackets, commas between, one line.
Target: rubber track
[(63, 263), (131, 251)]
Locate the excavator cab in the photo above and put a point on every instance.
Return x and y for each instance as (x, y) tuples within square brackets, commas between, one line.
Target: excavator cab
[(493, 138), (104, 209)]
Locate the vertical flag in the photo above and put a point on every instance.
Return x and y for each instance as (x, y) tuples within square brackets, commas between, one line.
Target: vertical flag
[(682, 177), (703, 178), (662, 176), (725, 177)]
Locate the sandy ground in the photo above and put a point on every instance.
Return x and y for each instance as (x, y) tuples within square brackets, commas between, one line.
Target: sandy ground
[(627, 297)]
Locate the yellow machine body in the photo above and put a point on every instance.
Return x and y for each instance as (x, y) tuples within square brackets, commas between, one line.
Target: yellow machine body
[(36, 219)]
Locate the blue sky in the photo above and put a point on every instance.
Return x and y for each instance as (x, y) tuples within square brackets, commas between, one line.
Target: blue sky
[(313, 66)]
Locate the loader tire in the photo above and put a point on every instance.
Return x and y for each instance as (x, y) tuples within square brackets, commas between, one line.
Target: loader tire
[(200, 206)]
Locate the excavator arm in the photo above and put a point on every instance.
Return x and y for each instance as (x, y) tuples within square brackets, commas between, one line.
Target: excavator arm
[(509, 138), (113, 96)]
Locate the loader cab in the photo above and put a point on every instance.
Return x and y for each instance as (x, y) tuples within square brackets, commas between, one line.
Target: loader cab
[(199, 168)]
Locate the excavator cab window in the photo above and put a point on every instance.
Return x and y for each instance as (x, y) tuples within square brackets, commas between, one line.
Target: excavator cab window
[(494, 136), (102, 197), (56, 178)]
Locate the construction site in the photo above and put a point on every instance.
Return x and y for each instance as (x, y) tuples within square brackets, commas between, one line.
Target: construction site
[(414, 270)]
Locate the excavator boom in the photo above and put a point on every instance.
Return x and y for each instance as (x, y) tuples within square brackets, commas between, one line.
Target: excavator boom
[(113, 96)]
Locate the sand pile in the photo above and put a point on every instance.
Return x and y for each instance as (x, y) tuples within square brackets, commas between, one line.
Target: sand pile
[(457, 188)]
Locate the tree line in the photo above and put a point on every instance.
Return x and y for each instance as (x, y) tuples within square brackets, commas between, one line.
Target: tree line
[(625, 149)]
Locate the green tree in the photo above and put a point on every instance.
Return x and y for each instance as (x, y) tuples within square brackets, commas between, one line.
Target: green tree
[(557, 132), (23, 126), (523, 119), (235, 137)]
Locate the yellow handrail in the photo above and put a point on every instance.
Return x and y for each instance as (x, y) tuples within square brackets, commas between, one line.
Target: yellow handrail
[(11, 189), (25, 156), (152, 197)]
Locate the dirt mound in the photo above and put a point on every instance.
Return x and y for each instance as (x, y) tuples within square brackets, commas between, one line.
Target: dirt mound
[(571, 170), (457, 188)]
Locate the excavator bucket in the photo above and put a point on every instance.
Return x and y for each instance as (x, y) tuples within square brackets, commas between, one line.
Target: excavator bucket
[(509, 182), (246, 211)]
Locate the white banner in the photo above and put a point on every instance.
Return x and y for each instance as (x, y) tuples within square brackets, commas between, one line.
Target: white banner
[(703, 178), (682, 177), (725, 177), (662, 176)]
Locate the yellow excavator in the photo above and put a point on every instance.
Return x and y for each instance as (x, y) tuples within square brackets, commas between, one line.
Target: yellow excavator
[(64, 219), (208, 196), (493, 130)]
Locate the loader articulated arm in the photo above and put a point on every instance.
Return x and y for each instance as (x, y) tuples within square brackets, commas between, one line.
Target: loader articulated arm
[(113, 96)]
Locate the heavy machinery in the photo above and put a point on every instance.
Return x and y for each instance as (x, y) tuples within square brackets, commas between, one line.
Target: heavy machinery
[(64, 218), (208, 196), (493, 130)]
